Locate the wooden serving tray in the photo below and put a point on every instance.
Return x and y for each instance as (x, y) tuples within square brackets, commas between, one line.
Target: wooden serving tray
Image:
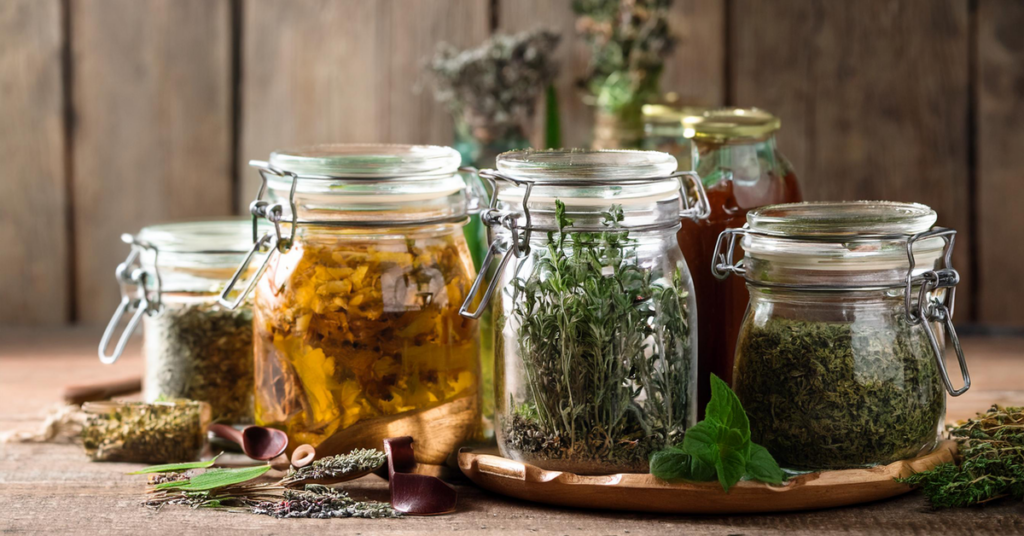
[(645, 493)]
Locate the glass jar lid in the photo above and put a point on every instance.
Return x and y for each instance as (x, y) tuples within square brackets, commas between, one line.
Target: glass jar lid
[(583, 177), (719, 125), (195, 256), (368, 160), (835, 244), (842, 219), (359, 184)]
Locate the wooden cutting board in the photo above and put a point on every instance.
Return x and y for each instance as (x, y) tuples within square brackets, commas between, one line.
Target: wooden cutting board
[(645, 493)]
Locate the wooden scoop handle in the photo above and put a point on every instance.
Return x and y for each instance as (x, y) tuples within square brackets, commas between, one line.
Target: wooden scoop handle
[(80, 394)]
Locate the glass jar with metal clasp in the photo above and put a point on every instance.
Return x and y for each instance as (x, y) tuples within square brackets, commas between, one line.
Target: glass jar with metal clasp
[(358, 335), (840, 358), (594, 325), (193, 348)]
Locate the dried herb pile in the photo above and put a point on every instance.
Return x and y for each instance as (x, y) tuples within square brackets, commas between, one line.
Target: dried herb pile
[(202, 352), (140, 432), (824, 395), (605, 354), (198, 485), (990, 463)]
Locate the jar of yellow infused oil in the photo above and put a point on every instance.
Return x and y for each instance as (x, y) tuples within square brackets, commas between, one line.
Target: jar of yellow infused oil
[(357, 329)]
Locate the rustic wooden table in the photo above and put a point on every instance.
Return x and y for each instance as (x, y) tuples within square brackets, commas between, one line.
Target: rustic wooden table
[(54, 488)]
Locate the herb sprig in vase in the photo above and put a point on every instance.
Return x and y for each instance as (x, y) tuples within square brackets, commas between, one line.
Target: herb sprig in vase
[(629, 41), (492, 91)]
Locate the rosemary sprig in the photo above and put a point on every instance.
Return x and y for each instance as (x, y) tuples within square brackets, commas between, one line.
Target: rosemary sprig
[(990, 463)]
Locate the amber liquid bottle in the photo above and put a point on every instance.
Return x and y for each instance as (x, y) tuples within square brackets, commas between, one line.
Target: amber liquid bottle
[(734, 151)]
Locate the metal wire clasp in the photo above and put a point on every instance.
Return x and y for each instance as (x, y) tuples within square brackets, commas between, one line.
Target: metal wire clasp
[(723, 263), (132, 278), (930, 308), (270, 241), (702, 209)]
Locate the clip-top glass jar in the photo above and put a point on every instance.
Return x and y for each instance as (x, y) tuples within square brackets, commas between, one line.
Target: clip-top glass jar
[(839, 362), (194, 348), (734, 152), (357, 328), (594, 340)]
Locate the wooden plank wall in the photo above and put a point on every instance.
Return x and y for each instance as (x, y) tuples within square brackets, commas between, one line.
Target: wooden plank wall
[(120, 113)]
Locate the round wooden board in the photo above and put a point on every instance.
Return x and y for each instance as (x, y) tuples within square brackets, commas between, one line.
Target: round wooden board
[(645, 493)]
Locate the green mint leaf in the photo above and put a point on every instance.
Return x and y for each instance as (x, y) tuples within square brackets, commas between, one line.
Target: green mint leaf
[(217, 478), (726, 409), (167, 467), (763, 467), (701, 442), (731, 466), (675, 464)]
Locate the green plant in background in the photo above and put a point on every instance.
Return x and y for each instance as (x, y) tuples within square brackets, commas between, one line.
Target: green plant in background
[(718, 447), (629, 41), (604, 344), (492, 90), (989, 466)]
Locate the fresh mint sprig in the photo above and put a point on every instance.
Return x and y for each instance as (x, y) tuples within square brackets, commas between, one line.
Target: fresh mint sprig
[(718, 447)]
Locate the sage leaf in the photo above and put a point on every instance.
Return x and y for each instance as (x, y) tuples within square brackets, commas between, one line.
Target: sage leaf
[(762, 466), (168, 467), (217, 478)]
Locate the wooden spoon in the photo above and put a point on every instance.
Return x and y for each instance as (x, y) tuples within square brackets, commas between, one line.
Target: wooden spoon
[(257, 442), (80, 394)]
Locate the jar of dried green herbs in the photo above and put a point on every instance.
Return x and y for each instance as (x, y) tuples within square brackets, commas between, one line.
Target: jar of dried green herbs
[(194, 348), (839, 362), (594, 334)]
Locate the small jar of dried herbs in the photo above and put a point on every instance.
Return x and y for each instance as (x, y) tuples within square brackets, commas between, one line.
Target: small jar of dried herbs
[(839, 362), (194, 348), (594, 342)]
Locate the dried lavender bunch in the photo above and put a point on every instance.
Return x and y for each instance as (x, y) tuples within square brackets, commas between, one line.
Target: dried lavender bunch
[(629, 41), (990, 464), (357, 461), (322, 502), (497, 83)]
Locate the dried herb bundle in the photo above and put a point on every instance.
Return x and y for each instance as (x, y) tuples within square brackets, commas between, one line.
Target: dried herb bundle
[(629, 42), (203, 352), (357, 461), (322, 502), (824, 395), (138, 432), (990, 462), (604, 348), (497, 83), (247, 487)]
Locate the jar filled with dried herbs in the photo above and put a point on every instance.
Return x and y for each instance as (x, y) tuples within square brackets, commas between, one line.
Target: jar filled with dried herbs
[(595, 344), (839, 362), (194, 348), (357, 330)]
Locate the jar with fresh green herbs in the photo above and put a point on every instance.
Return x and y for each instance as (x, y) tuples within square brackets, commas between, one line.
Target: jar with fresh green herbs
[(593, 307), (839, 362), (194, 348)]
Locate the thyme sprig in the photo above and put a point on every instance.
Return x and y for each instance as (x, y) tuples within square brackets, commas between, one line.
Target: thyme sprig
[(603, 341), (990, 463)]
